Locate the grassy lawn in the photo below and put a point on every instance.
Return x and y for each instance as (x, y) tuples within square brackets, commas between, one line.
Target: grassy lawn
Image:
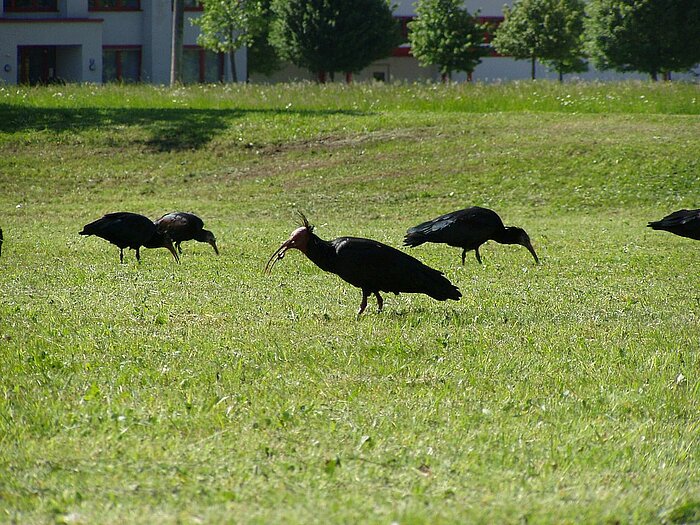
[(210, 392)]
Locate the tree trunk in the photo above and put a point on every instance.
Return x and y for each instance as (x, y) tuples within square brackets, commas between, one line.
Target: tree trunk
[(321, 77), (561, 77), (232, 56), (532, 70), (176, 51), (667, 76), (469, 76), (445, 78), (234, 73), (654, 76), (348, 77)]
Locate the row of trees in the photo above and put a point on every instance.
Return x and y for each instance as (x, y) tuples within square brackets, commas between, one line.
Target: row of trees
[(330, 36), (650, 36)]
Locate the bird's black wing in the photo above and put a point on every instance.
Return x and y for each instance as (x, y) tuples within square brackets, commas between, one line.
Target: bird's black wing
[(181, 226), (376, 267), (122, 228), (467, 228), (685, 223)]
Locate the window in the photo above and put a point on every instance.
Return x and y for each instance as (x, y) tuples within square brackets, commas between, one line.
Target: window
[(403, 26), (491, 23), (114, 5), (121, 64), (200, 65), (190, 5), (31, 5)]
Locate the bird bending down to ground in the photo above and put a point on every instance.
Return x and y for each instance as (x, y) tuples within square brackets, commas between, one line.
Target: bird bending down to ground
[(468, 229), (369, 265), (129, 230), (685, 223), (185, 227)]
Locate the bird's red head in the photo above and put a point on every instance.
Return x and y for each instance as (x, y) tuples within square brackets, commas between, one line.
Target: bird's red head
[(299, 239)]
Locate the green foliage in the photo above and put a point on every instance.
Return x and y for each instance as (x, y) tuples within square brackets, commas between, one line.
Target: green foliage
[(328, 36), (549, 30), (211, 392), (446, 35), (650, 36), (262, 55), (227, 25)]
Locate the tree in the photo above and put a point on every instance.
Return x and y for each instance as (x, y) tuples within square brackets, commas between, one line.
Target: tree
[(446, 35), (228, 25), (328, 36), (650, 36), (176, 44), (549, 30), (262, 55)]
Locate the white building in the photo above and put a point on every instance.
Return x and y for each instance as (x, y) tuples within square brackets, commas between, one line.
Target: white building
[(101, 41)]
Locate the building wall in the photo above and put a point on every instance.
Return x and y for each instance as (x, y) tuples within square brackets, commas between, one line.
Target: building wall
[(80, 34)]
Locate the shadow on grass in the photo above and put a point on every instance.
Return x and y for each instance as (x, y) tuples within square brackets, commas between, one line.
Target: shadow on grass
[(170, 129)]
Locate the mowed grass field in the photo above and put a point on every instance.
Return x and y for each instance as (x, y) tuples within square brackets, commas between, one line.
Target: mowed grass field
[(567, 392)]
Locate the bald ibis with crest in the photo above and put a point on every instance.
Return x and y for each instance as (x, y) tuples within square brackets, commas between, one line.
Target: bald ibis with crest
[(468, 229), (367, 264), (182, 226), (129, 230), (685, 223)]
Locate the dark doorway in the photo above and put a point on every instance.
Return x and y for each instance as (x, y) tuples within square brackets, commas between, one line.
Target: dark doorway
[(36, 64)]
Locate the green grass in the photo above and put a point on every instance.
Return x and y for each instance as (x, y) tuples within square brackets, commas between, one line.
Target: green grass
[(210, 392)]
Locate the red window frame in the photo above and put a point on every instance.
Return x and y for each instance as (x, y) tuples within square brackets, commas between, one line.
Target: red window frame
[(96, 5), (203, 63), (37, 6), (117, 49), (492, 23)]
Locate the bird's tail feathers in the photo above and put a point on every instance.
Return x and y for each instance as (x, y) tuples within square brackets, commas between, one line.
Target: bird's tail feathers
[(414, 238), (433, 283)]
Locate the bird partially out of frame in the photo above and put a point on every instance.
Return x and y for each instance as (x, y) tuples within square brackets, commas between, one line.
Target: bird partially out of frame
[(685, 223)]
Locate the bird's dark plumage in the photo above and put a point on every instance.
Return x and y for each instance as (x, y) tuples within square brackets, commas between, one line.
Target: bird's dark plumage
[(129, 230), (1, 239), (184, 226), (685, 223), (468, 229), (369, 265)]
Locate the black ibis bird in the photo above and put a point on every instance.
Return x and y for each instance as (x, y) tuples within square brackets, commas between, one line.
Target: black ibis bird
[(468, 229), (369, 265), (1, 239), (184, 226), (685, 223), (129, 230)]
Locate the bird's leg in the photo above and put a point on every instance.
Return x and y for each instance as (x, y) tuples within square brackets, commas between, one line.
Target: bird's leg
[(363, 304), (380, 302), (138, 254), (478, 257), (121, 255), (464, 255), (179, 250)]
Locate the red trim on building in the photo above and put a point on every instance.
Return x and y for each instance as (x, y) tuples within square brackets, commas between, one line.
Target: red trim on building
[(49, 20), (403, 51), (96, 5), (11, 7)]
